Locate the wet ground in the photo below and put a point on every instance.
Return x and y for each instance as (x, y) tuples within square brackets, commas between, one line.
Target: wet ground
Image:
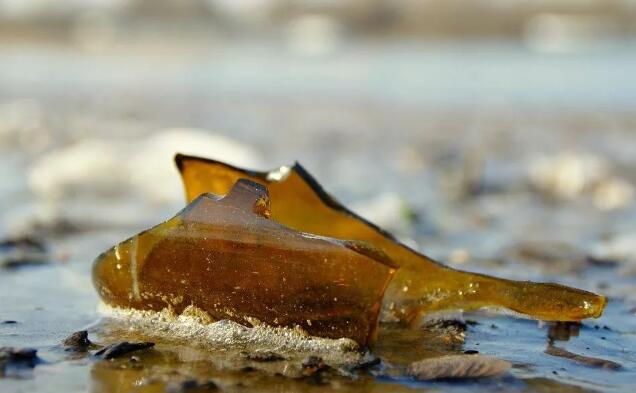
[(489, 157)]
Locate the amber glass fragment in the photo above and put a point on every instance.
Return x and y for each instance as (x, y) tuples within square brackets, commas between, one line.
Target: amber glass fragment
[(224, 256), (421, 284)]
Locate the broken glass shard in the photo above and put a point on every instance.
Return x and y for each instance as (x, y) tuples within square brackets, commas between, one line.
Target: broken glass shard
[(421, 285), (225, 256)]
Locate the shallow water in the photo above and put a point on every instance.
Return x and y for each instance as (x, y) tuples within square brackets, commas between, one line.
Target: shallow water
[(460, 171)]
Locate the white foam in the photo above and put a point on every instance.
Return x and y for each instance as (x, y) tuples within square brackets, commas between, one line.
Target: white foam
[(195, 328)]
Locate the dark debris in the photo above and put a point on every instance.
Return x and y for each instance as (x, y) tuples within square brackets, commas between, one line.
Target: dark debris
[(264, 357), (116, 350), (313, 365), (563, 331), (77, 341), (447, 324), (191, 386), (586, 360), (22, 251), (23, 242), (17, 357), (448, 330), (366, 364)]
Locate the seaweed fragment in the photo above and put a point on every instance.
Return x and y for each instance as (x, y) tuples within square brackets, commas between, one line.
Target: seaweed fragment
[(421, 285), (225, 256)]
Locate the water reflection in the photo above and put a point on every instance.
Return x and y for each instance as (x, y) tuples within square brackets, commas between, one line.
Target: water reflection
[(173, 368), (164, 370), (563, 331)]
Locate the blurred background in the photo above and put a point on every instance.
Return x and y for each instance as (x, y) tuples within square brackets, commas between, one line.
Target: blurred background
[(429, 106), (497, 136)]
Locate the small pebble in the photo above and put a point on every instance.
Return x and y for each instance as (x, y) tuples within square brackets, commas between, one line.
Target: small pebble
[(77, 341)]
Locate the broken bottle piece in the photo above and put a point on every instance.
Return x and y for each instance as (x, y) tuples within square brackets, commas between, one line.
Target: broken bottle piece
[(421, 284), (225, 256)]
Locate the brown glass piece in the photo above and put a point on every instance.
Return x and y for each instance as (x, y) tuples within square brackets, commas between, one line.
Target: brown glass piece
[(226, 257), (421, 285)]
